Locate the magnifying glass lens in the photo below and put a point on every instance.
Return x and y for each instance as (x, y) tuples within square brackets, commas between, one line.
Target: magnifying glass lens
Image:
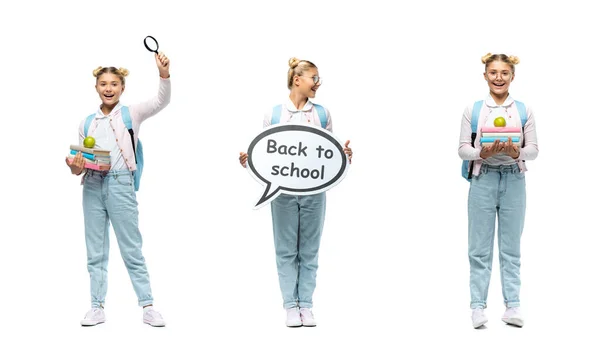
[(151, 44)]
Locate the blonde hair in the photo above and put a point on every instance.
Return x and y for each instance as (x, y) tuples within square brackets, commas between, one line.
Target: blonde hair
[(510, 60), (297, 67), (120, 72)]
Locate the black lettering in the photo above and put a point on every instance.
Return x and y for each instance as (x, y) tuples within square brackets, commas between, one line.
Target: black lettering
[(312, 174), (282, 169), (290, 150), (323, 172), (275, 170), (320, 149), (305, 173), (330, 152), (296, 169), (282, 150), (271, 146), (302, 150)]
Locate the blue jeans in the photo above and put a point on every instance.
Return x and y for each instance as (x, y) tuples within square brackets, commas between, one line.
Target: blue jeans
[(498, 190), (110, 196), (297, 228)]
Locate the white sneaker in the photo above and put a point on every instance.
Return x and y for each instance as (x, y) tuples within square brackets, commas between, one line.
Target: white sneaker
[(513, 316), (152, 317), (478, 318), (293, 317), (307, 317), (93, 317)]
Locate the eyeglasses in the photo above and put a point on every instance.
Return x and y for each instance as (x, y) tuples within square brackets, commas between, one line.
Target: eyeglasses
[(494, 75), (316, 79)]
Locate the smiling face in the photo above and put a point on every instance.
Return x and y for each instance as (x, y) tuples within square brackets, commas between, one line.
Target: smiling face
[(499, 75), (110, 87), (305, 84)]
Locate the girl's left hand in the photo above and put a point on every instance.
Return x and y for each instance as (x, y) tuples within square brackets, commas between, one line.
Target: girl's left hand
[(348, 151), (511, 149), (162, 62)]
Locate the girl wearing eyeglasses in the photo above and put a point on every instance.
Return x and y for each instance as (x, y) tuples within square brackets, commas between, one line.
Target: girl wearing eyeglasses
[(497, 188), (298, 220)]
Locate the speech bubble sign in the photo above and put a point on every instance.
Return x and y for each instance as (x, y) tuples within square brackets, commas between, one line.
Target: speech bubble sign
[(298, 159)]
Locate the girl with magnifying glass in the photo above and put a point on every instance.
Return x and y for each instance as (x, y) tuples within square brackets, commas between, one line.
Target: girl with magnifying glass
[(497, 189), (109, 196), (298, 220)]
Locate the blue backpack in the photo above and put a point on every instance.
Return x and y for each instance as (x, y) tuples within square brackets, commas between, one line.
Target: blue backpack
[(467, 166), (276, 116), (139, 152)]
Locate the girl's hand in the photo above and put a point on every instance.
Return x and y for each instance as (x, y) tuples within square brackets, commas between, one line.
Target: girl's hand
[(512, 150), (348, 151), (492, 150), (243, 159), (78, 164), (162, 62)]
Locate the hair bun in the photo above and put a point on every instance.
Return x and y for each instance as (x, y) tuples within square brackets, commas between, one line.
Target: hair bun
[(293, 62), (96, 71), (124, 72), (514, 60), (485, 58)]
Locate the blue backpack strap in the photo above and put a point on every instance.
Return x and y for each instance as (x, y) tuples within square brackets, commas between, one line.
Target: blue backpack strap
[(138, 153), (126, 117), (276, 115), (523, 114), (475, 116), (88, 122), (474, 122), (322, 115), (127, 120)]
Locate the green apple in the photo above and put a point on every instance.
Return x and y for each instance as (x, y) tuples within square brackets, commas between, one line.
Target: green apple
[(500, 122), (89, 142)]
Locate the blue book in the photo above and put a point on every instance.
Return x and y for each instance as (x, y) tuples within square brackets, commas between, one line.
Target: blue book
[(86, 155), (502, 139)]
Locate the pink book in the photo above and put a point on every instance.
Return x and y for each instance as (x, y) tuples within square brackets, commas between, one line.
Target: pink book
[(500, 130), (99, 167)]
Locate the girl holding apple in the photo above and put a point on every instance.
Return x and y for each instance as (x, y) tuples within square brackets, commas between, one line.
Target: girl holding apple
[(298, 220), (497, 188), (109, 196)]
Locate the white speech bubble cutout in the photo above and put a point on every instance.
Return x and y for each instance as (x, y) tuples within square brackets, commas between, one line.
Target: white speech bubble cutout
[(285, 158)]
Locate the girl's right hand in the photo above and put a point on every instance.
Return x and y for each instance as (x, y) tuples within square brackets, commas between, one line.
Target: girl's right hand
[(243, 159), (78, 164), (163, 63), (492, 150)]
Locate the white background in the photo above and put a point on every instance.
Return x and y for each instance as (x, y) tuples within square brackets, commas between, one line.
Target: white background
[(393, 259)]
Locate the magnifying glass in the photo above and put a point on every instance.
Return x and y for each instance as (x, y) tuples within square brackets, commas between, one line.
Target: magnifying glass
[(152, 45)]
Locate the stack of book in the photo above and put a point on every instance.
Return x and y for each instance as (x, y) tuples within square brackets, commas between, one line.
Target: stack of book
[(95, 159), (491, 134)]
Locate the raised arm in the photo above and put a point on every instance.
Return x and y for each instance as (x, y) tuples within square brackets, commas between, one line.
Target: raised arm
[(144, 110)]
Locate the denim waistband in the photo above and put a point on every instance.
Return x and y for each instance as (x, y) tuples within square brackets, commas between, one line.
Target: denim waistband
[(104, 173), (505, 168)]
